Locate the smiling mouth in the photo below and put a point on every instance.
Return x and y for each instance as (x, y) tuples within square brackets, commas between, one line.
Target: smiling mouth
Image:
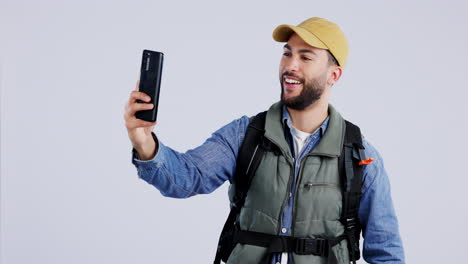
[(291, 82)]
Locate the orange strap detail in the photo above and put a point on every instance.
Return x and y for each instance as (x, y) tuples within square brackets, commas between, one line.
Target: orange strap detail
[(366, 161)]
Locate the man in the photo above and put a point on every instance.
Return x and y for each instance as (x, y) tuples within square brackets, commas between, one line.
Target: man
[(295, 191)]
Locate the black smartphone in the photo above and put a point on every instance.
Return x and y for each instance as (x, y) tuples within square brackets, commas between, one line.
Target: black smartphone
[(150, 82)]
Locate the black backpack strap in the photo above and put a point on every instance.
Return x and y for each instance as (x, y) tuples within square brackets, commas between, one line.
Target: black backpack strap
[(351, 173), (298, 245), (249, 156), (248, 159)]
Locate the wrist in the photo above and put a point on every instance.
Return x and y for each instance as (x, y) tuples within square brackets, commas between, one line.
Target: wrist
[(147, 150)]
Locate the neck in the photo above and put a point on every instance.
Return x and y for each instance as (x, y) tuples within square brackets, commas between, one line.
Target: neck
[(309, 119)]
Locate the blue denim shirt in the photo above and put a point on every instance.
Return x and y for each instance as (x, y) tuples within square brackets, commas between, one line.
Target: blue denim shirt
[(203, 169)]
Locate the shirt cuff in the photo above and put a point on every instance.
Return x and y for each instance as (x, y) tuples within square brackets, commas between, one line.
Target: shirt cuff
[(156, 161)]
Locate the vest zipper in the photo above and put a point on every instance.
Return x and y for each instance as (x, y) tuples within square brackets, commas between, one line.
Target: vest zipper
[(299, 176), (288, 191)]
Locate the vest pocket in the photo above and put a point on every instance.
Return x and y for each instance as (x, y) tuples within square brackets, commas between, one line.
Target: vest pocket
[(319, 201), (331, 185)]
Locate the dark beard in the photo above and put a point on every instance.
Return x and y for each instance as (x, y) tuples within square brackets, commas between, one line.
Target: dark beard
[(311, 92)]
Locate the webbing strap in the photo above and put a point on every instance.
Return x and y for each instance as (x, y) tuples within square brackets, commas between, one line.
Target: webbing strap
[(352, 144), (249, 157), (349, 167), (277, 244), (351, 174)]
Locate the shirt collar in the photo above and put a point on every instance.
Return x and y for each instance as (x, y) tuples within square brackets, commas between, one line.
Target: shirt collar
[(287, 120)]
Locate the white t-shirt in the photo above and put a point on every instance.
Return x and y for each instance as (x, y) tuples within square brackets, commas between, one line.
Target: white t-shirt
[(300, 138)]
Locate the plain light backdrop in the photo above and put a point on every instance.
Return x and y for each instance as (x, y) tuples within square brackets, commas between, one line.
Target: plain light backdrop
[(69, 193)]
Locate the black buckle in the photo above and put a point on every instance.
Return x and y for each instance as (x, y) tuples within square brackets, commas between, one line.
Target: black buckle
[(351, 223), (308, 246)]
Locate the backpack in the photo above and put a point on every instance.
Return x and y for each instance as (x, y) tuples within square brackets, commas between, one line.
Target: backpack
[(249, 157)]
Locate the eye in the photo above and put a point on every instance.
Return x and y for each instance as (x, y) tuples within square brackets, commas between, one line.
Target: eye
[(287, 54), (306, 58)]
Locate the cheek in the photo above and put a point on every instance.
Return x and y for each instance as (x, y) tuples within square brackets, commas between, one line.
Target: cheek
[(281, 66), (329, 76), (316, 71), (283, 63)]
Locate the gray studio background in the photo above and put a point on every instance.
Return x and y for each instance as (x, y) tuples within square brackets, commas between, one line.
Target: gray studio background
[(69, 193)]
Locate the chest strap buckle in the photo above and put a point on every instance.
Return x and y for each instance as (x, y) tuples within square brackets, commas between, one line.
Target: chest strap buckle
[(314, 246)]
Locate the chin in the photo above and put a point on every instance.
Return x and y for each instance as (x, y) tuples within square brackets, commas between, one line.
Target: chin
[(289, 96)]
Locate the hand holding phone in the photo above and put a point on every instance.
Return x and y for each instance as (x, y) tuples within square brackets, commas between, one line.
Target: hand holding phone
[(150, 82)]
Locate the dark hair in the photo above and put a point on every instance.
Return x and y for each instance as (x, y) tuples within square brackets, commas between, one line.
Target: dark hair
[(331, 59)]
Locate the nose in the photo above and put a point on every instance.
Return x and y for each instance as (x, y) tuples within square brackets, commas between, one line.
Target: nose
[(291, 64)]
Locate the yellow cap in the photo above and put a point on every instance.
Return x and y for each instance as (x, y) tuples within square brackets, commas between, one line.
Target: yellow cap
[(317, 32)]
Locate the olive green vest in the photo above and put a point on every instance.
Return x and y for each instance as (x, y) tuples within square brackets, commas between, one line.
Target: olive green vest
[(317, 207)]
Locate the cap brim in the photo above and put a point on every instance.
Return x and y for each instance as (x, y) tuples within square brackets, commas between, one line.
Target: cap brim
[(282, 33)]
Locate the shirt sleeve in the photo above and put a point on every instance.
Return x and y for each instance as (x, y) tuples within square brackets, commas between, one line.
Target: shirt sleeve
[(382, 242), (198, 171)]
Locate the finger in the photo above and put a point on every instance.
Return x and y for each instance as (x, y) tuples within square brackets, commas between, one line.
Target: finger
[(135, 107), (135, 95), (132, 108)]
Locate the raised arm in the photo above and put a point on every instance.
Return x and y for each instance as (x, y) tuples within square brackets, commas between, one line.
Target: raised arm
[(198, 171)]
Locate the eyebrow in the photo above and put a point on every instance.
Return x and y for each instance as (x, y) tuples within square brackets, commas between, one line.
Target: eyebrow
[(301, 50)]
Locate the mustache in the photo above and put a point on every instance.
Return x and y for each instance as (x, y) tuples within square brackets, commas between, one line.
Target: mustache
[(292, 75)]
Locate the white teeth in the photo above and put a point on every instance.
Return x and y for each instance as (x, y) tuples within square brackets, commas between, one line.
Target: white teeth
[(291, 81)]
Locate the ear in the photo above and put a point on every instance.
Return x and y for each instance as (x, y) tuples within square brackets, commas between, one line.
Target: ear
[(334, 74)]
